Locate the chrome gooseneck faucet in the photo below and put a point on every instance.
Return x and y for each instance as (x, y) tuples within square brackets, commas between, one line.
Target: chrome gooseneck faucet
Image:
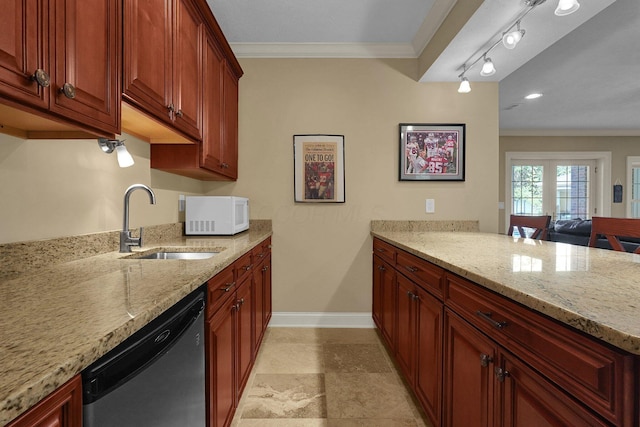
[(126, 241)]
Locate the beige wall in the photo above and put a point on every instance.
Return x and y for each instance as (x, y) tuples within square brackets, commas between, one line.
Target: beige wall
[(322, 253), (619, 146), (55, 188)]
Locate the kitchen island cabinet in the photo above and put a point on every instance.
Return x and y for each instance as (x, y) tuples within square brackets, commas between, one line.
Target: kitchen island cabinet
[(46, 71), (504, 362)]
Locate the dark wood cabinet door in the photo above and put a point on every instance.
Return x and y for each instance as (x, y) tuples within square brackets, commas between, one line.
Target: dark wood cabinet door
[(62, 408), (429, 324), (388, 303), (187, 63), (220, 365), (531, 401), (23, 50), (212, 125), (406, 332), (268, 305), (258, 306), (244, 322), (468, 375), (148, 56), (230, 124), (376, 309), (86, 74)]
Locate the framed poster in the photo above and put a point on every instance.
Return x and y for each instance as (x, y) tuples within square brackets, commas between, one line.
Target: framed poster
[(318, 162), (432, 152)]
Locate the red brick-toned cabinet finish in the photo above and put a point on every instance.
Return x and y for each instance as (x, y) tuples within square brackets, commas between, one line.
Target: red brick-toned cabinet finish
[(62, 408)]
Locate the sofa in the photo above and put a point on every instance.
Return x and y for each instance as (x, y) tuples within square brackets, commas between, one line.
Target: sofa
[(577, 232)]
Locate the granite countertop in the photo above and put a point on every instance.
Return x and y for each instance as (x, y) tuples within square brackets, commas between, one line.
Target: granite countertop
[(596, 291), (57, 319)]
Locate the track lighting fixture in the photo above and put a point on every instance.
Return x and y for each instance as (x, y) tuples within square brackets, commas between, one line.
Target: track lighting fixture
[(464, 87), (488, 69), (511, 39), (108, 145), (566, 7)]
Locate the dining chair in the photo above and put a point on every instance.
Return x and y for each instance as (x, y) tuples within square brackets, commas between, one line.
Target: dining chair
[(539, 224), (613, 229)]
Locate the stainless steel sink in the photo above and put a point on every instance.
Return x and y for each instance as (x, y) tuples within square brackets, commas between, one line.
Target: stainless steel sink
[(175, 255)]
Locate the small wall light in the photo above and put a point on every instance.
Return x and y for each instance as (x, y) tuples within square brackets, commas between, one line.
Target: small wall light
[(108, 145)]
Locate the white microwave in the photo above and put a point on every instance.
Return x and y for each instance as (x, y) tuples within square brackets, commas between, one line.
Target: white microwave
[(216, 215)]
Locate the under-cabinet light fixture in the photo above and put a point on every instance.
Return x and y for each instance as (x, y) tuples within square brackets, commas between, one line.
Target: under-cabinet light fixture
[(108, 145)]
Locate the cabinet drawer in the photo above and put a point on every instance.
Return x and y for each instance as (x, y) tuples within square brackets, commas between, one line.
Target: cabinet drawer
[(428, 275), (242, 267), (260, 252), (385, 251), (597, 375), (219, 288)]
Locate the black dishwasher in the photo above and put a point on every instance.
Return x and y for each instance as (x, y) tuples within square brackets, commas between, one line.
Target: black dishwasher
[(156, 377)]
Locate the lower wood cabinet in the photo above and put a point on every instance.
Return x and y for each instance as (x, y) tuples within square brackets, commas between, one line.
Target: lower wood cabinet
[(476, 358), (62, 408), (236, 316)]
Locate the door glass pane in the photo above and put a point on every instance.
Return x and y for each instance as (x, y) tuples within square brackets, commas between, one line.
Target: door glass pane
[(572, 192), (635, 192), (526, 187)]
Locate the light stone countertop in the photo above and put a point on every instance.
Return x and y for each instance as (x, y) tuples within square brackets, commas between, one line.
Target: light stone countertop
[(596, 291), (58, 319)]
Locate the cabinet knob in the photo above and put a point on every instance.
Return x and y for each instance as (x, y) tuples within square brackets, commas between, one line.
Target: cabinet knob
[(265, 268), (68, 90), (41, 77), (501, 374), (485, 359), (179, 113), (224, 165), (381, 268)]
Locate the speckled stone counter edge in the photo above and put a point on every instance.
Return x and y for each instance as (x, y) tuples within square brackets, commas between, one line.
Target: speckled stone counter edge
[(389, 226)]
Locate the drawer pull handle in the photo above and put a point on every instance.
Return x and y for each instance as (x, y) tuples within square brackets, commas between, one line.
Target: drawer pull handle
[(411, 269), (381, 268), (247, 267), (485, 359), (412, 295), (501, 374), (381, 250), (488, 318), (227, 286)]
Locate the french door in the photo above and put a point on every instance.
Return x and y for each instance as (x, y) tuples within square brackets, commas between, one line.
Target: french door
[(564, 189)]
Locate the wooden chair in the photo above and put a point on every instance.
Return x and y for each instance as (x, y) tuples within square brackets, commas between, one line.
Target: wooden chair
[(539, 224), (613, 229)]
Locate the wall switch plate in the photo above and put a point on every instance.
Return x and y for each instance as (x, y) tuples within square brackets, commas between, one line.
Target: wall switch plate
[(500, 205), (430, 206), (181, 203)]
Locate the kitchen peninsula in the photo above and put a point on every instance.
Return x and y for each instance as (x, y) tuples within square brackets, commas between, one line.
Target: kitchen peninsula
[(536, 327), (63, 309)]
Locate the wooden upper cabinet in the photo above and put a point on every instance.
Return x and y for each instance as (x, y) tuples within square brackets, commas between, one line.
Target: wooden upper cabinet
[(230, 123), (60, 66), (23, 51), (213, 106), (86, 74), (163, 62)]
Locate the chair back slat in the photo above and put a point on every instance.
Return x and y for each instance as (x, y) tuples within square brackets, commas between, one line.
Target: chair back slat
[(613, 229), (539, 224)]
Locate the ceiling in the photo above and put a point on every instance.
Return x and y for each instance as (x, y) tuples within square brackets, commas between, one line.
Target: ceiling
[(585, 64)]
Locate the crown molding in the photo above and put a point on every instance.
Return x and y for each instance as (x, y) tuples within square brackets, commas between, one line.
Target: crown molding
[(323, 50)]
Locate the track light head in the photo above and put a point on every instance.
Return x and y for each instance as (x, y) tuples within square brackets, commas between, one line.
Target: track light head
[(488, 69), (511, 39), (464, 87), (566, 7)]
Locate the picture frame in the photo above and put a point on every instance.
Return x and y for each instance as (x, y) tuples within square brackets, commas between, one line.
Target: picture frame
[(318, 168), (432, 152)]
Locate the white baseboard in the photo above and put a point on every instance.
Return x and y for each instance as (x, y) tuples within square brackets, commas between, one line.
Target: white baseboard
[(321, 320)]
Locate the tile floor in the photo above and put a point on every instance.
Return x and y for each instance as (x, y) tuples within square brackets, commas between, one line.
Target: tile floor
[(325, 377)]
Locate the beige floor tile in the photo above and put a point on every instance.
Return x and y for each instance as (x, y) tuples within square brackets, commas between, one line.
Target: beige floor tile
[(299, 422), (372, 423), (322, 335), (285, 396), (286, 358), (379, 396), (355, 358)]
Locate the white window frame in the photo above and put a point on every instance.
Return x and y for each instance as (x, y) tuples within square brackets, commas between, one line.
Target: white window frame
[(632, 161), (602, 204)]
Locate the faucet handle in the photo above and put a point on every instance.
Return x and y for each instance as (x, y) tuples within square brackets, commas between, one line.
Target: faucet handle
[(140, 238)]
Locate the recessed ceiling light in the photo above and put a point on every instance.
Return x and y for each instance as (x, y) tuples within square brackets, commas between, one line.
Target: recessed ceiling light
[(533, 96)]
